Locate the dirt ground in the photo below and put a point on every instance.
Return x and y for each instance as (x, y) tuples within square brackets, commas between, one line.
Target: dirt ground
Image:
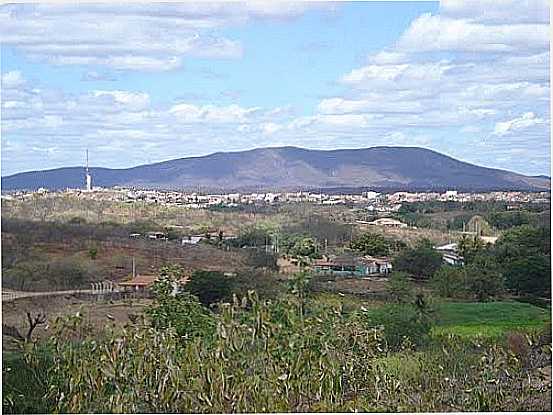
[(97, 313)]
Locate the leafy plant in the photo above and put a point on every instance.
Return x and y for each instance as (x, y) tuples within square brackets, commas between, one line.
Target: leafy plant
[(422, 261), (400, 288), (209, 286), (449, 281)]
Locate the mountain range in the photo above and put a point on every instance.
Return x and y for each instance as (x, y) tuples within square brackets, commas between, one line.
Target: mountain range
[(292, 168)]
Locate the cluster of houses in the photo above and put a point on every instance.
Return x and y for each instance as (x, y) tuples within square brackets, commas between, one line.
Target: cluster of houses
[(346, 265), (384, 202)]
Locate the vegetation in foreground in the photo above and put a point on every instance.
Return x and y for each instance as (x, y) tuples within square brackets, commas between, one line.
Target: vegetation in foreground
[(298, 352)]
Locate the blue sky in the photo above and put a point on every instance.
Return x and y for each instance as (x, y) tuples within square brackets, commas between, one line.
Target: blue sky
[(144, 82)]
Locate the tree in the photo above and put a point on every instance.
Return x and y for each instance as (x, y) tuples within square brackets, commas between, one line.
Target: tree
[(179, 309), (209, 286), (34, 321), (524, 253), (304, 247), (371, 244), (422, 261), (400, 288), (449, 281), (483, 278), (470, 247), (403, 324), (93, 252), (529, 275)]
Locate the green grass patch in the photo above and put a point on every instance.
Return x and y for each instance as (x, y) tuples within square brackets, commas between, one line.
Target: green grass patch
[(488, 319)]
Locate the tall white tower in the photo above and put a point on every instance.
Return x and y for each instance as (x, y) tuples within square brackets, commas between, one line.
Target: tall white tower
[(88, 176)]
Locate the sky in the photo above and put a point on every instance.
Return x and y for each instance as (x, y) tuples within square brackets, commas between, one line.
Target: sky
[(139, 83)]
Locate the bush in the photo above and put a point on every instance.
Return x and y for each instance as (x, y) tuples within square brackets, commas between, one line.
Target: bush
[(209, 286), (422, 261), (371, 244), (93, 252), (403, 325), (400, 288), (258, 258), (483, 278), (264, 283), (449, 281)]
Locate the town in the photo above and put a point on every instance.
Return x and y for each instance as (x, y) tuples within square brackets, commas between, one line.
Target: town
[(382, 202)]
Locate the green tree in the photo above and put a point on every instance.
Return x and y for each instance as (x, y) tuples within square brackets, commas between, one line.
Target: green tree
[(449, 281), (399, 287), (403, 324), (470, 247), (524, 253), (371, 244), (529, 275), (209, 286), (304, 247), (422, 261), (92, 252), (173, 307), (483, 278)]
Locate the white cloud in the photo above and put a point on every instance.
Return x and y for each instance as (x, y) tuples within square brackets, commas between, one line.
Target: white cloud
[(439, 33), (146, 37), (497, 11), (375, 105), (188, 113), (135, 101), (526, 120), (12, 79)]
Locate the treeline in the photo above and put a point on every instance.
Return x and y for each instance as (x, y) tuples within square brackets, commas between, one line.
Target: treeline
[(454, 215)]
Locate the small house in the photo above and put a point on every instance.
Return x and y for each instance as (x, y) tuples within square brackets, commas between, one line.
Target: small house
[(450, 254), (157, 235), (192, 239), (388, 223), (139, 283), (353, 266), (143, 283)]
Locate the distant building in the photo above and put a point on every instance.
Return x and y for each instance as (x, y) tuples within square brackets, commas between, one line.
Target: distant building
[(140, 283), (192, 239), (156, 235), (450, 254), (353, 266), (388, 222), (143, 283), (489, 239)]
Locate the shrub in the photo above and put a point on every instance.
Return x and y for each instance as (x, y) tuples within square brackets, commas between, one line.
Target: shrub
[(93, 252), (422, 261), (400, 288), (371, 244), (449, 281), (402, 325), (209, 286), (483, 278)]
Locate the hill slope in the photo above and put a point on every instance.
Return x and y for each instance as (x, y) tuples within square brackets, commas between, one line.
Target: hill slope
[(293, 168)]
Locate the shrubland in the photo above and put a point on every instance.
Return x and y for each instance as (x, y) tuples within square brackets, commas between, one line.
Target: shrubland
[(293, 353)]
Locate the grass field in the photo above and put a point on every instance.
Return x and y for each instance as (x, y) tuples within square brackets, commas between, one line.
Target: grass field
[(488, 319)]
